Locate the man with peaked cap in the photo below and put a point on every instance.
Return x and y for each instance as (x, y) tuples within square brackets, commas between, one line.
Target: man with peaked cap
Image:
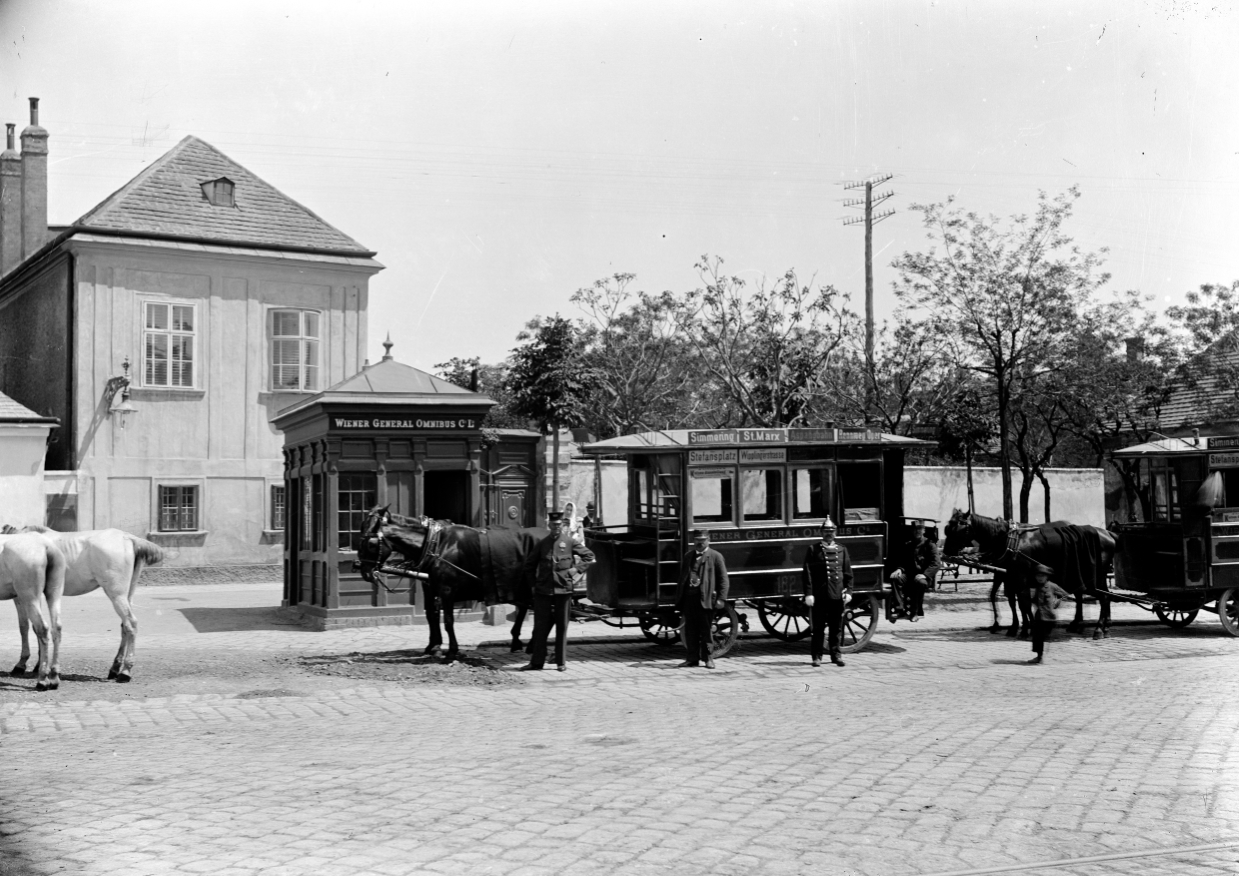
[(827, 576), (702, 592), (1046, 596), (557, 563)]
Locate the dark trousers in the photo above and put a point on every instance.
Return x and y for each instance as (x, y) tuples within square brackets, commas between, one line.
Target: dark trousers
[(826, 614), (698, 629), (550, 611), (1041, 630), (915, 591)]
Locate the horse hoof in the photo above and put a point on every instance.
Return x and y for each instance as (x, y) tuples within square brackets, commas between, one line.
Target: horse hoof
[(40, 687), (112, 675), (996, 628), (122, 678), (1013, 632), (516, 646), (431, 650), (18, 671), (529, 648), (1096, 635)]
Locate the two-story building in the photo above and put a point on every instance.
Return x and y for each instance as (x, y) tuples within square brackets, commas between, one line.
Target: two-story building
[(163, 329)]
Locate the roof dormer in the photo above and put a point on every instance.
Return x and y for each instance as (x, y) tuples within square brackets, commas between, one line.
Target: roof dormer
[(219, 191)]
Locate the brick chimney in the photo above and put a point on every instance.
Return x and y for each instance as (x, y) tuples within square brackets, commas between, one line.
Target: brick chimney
[(10, 206), (34, 184)]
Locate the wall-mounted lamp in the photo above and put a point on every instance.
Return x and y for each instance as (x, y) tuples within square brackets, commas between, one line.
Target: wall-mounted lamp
[(117, 394)]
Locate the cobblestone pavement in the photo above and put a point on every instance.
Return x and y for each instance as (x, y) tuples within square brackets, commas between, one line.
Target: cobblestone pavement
[(936, 751)]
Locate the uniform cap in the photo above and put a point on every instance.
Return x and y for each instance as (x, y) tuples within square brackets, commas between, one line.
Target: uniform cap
[(701, 533), (828, 523), (554, 516), (1042, 570)]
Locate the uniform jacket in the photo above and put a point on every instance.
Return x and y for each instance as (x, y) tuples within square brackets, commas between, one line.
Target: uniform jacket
[(557, 563), (827, 573), (712, 578), (919, 558), (1046, 598)]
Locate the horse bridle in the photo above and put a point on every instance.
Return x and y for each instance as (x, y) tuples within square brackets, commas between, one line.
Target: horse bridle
[(432, 547)]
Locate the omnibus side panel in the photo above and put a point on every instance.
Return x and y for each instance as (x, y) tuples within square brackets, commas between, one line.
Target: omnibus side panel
[(1150, 557)]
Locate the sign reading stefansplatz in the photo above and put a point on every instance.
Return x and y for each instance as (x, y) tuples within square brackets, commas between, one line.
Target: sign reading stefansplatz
[(387, 424)]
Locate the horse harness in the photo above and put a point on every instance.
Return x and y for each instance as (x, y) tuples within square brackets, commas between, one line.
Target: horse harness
[(431, 552)]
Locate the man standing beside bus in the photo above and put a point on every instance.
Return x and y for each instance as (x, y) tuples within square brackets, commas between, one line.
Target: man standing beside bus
[(557, 563), (827, 576), (702, 591)]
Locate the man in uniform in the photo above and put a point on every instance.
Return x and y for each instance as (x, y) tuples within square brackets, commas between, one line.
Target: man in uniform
[(557, 564), (702, 591), (827, 576), (917, 570)]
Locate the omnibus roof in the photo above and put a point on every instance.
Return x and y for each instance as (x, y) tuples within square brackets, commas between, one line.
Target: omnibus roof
[(674, 439), (1174, 446)]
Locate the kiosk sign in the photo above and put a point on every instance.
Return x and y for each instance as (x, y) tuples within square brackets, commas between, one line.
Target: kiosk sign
[(385, 424)]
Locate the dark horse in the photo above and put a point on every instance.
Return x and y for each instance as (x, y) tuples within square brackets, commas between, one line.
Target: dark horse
[(1019, 601), (1079, 555), (455, 564)]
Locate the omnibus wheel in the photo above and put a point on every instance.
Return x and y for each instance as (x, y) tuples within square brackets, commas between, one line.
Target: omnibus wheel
[(786, 618), (1228, 611), (860, 622), (661, 627), (725, 631), (1175, 617)]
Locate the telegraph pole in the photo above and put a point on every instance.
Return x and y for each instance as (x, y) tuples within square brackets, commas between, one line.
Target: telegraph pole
[(870, 219)]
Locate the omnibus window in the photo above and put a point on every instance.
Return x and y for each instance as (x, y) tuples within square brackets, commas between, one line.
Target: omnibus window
[(1165, 493), (810, 493), (861, 486), (712, 491), (641, 509), (761, 493)]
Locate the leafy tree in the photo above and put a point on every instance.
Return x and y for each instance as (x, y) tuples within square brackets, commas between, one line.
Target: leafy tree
[(964, 428), (1005, 294), (645, 368), (490, 382), (550, 382), (1209, 374), (767, 349)]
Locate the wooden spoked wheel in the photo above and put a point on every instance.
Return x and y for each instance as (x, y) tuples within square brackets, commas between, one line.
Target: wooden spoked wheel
[(860, 622), (786, 618), (725, 632), (661, 627), (1228, 610), (1175, 617)]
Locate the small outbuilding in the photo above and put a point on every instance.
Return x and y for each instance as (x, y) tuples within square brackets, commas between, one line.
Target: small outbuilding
[(24, 437), (391, 435)]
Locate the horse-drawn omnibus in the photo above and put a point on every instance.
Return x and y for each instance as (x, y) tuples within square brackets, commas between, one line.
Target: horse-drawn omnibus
[(762, 495), (1183, 555)]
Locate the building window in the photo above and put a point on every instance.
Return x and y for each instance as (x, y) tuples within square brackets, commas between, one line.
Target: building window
[(278, 505), (178, 509), (219, 192), (168, 344), (294, 350), (357, 496)]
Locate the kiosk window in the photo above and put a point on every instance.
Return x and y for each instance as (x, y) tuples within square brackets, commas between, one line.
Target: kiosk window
[(357, 495), (810, 493), (712, 491), (761, 493)]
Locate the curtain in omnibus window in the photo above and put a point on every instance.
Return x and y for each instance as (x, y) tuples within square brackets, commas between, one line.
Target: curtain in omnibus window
[(712, 495), (761, 494)]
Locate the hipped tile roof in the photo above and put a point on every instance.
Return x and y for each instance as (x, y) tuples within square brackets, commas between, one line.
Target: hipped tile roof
[(167, 199), (11, 410)]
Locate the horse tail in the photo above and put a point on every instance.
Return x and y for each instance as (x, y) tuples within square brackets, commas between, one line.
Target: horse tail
[(144, 553), (54, 582)]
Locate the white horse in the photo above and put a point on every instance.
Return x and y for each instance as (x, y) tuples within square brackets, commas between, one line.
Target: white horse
[(32, 573), (107, 558)]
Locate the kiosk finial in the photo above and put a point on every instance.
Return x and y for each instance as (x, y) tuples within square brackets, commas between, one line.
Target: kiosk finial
[(387, 345)]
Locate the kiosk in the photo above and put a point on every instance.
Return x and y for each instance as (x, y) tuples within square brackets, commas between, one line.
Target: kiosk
[(391, 435)]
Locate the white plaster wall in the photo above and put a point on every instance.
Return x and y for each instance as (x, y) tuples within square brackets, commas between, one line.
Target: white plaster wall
[(1076, 494), (22, 450), (217, 434)]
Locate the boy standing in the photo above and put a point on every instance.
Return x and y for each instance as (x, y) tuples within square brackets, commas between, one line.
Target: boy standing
[(1046, 597)]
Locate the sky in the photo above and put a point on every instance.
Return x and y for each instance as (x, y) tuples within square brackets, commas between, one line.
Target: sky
[(499, 156)]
